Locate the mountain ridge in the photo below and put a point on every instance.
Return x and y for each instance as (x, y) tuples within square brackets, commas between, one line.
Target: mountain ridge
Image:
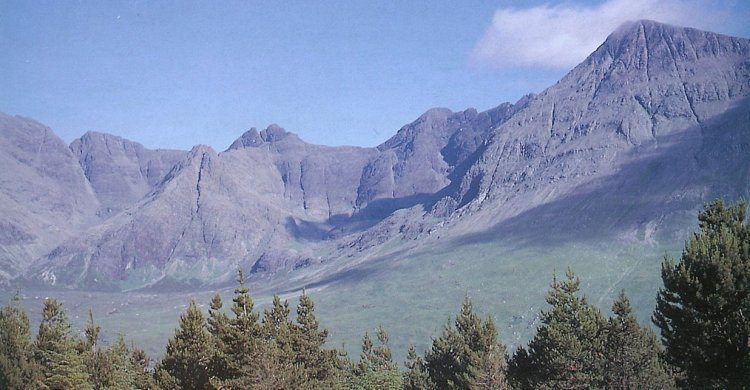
[(647, 102)]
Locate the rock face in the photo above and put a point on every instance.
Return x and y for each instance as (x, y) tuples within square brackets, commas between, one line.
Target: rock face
[(121, 172), (44, 196), (266, 203), (651, 125), (643, 117)]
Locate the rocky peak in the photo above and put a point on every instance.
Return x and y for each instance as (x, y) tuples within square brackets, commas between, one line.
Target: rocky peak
[(274, 133), (253, 139), (668, 46), (200, 150), (44, 196), (96, 142), (648, 84), (432, 123), (121, 171), (250, 139)]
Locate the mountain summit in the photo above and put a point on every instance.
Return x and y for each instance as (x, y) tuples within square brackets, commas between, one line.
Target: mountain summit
[(637, 117), (626, 146)]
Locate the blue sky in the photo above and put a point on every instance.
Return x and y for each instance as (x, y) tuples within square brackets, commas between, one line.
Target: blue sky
[(172, 74)]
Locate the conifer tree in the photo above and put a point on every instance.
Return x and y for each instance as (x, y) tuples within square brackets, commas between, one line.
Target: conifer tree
[(276, 320), (123, 373), (467, 356), (55, 350), (219, 328), (244, 350), (375, 369), (277, 327), (382, 355), (143, 378), (366, 358), (415, 377), (703, 310), (277, 331), (188, 357), (521, 373), (319, 365), (631, 352), (96, 360), (488, 364), (245, 319), (567, 350), (18, 370)]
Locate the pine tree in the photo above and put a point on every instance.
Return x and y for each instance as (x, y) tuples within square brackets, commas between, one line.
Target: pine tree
[(143, 378), (276, 320), (631, 352), (124, 371), (219, 329), (18, 370), (488, 364), (443, 360), (366, 358), (95, 359), (469, 355), (567, 350), (188, 357), (703, 310), (376, 369), (382, 355), (55, 350), (277, 328), (390, 379), (521, 373), (415, 377), (245, 351), (319, 365), (245, 321), (274, 360)]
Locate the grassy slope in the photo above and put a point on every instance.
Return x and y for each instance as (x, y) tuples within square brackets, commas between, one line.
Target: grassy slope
[(508, 284), (412, 297)]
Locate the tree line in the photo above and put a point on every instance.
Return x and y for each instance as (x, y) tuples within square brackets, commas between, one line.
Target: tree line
[(702, 313)]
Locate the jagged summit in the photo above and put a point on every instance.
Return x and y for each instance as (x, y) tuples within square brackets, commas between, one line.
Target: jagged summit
[(632, 30), (253, 139), (636, 42), (649, 90)]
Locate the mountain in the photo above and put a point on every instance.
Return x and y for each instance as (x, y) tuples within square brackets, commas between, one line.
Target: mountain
[(121, 171), (624, 149), (646, 115), (44, 195), (270, 203)]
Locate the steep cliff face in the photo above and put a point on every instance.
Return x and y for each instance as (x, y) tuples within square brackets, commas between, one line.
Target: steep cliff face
[(198, 223), (636, 117), (270, 203), (426, 156), (44, 196), (316, 182), (120, 171)]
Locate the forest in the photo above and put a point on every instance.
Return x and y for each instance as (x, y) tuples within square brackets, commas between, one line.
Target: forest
[(701, 314)]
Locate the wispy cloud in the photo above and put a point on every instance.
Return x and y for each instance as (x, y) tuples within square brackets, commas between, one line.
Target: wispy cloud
[(560, 36)]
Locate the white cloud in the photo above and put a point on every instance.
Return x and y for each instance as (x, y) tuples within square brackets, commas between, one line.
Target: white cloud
[(561, 36)]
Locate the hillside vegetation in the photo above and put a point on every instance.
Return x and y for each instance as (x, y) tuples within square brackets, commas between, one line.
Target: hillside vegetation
[(705, 339)]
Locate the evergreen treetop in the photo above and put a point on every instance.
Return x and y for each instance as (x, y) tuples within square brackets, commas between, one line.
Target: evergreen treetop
[(702, 310), (186, 364)]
